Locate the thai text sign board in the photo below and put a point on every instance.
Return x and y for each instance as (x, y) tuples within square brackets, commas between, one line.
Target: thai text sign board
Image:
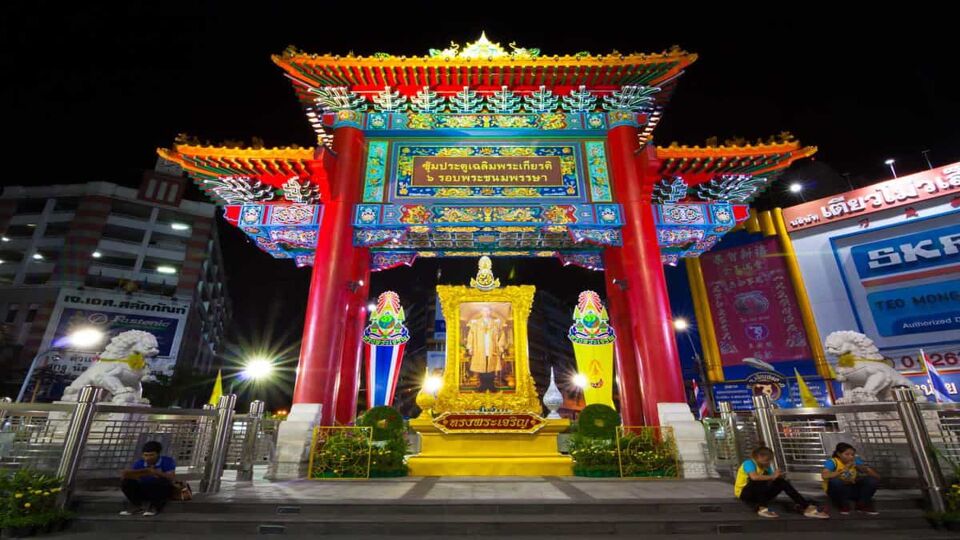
[(480, 422), (894, 274), (887, 195), (785, 395), (507, 170), (112, 314), (487, 171)]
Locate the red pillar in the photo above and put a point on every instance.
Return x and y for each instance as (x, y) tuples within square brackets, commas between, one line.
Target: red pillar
[(658, 364), (628, 383), (351, 358), (320, 350)]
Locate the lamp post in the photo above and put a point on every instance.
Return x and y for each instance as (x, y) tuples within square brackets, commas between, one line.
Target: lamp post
[(81, 338), (797, 189), (255, 369), (682, 326), (889, 163)]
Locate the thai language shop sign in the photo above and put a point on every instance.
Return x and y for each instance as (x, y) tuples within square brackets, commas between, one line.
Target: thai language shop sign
[(112, 314), (882, 196), (893, 273)]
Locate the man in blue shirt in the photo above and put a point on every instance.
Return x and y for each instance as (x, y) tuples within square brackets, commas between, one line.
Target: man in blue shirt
[(149, 481)]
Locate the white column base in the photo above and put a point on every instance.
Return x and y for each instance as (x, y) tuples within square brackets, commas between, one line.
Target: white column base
[(292, 454), (691, 440)]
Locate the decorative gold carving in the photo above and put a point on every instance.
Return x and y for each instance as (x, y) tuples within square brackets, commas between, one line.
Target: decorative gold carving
[(485, 280)]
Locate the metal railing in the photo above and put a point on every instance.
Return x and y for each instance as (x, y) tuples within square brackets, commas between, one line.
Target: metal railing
[(905, 441), (89, 441)]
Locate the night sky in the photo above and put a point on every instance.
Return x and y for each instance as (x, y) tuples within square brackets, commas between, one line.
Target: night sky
[(90, 93)]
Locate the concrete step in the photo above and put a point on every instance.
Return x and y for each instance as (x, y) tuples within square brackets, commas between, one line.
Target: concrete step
[(112, 504), (903, 534), (580, 522)]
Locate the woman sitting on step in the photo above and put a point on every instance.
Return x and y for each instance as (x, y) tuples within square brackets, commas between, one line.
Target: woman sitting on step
[(758, 483), (846, 478)]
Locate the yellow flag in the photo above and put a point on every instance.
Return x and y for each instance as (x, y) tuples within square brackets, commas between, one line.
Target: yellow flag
[(806, 396), (596, 363), (833, 374), (217, 390)]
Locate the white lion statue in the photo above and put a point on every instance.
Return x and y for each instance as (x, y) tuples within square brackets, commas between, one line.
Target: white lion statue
[(866, 375), (119, 370)]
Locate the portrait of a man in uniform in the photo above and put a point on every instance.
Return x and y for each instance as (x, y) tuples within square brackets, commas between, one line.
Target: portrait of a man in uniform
[(486, 331)]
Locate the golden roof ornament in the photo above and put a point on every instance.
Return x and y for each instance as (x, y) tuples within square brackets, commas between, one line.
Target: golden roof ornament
[(484, 280), (483, 48)]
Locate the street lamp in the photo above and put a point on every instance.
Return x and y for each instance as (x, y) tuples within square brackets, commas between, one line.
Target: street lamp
[(889, 163), (682, 326), (81, 338), (797, 189), (257, 368)]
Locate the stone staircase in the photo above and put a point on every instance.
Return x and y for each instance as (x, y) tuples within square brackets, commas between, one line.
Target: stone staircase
[(673, 518)]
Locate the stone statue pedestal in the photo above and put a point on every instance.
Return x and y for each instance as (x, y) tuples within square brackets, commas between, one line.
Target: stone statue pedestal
[(292, 455), (690, 437)]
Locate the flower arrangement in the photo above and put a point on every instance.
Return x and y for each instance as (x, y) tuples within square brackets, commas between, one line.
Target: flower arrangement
[(28, 501)]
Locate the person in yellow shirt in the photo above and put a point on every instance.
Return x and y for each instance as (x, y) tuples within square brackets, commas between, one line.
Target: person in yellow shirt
[(758, 483), (847, 478)]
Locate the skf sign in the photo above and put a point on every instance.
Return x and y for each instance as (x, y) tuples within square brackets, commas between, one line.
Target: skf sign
[(919, 251)]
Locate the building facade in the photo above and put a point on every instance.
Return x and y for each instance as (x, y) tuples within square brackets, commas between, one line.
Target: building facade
[(110, 257)]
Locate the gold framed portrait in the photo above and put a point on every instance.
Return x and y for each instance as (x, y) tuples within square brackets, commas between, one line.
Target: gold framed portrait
[(487, 365)]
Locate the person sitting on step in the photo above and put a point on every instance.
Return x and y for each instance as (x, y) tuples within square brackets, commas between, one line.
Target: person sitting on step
[(847, 478), (149, 481), (758, 483)]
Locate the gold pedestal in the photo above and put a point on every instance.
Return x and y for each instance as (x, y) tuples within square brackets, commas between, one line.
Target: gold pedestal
[(489, 454)]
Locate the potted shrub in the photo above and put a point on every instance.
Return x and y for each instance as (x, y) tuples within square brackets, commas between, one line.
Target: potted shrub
[(950, 519), (389, 445), (593, 446)]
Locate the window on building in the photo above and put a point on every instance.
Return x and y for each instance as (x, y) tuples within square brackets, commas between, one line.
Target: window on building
[(131, 210), (115, 260), (175, 221), (9, 256), (151, 190), (162, 266), (160, 239), (67, 204), (12, 311), (32, 312), (30, 206), (121, 233), (19, 231), (166, 288), (36, 279), (56, 230)]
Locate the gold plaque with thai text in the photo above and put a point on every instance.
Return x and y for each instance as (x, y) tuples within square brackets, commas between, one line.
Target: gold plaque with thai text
[(487, 171)]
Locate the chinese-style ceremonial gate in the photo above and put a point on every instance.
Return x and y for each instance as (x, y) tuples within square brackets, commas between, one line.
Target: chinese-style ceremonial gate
[(484, 151)]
